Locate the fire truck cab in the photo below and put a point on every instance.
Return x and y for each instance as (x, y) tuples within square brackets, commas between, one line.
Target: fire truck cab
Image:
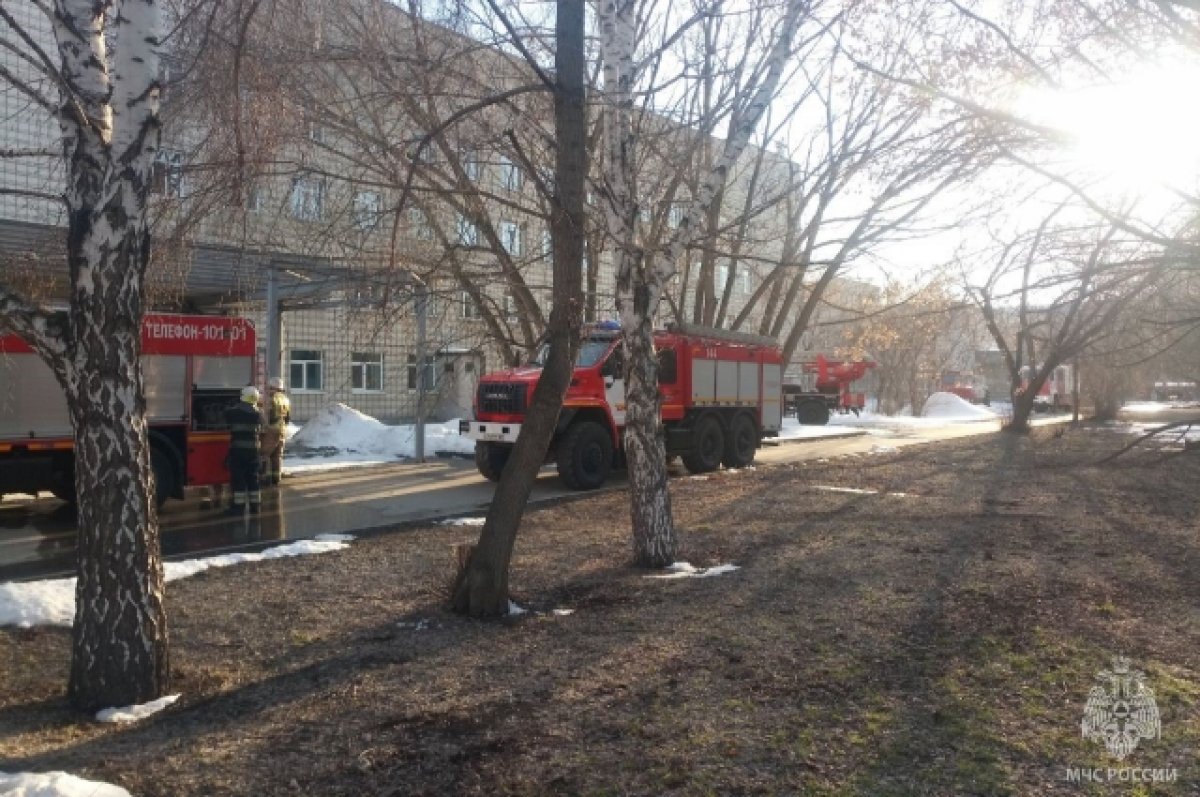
[(193, 368), (720, 391)]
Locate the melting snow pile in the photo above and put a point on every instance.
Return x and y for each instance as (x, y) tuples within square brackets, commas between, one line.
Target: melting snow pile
[(686, 570), (52, 601), (948, 406), (462, 521), (341, 428), (55, 784), (135, 713)]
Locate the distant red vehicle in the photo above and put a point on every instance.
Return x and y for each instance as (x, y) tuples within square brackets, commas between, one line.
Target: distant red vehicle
[(720, 396), (1056, 393), (193, 366), (965, 385), (826, 389)]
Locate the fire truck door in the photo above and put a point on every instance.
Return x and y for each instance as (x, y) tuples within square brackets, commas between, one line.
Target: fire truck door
[(614, 385)]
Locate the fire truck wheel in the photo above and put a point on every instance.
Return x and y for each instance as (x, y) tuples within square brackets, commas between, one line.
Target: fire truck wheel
[(742, 442), (708, 446), (164, 475), (491, 459), (62, 485), (812, 413), (585, 456)]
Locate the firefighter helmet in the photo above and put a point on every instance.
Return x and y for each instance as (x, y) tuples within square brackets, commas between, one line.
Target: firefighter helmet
[(250, 394)]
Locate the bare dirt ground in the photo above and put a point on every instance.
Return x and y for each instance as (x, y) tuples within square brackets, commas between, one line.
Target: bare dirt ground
[(935, 636)]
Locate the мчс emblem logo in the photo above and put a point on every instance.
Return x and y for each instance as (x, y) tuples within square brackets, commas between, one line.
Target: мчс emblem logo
[(1122, 714)]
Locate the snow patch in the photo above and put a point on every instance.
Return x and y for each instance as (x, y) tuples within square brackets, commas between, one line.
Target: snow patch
[(564, 612), (55, 784), (52, 601), (135, 713), (686, 570), (514, 610), (414, 625), (340, 435), (462, 521), (30, 603), (832, 489), (794, 430), (947, 406)]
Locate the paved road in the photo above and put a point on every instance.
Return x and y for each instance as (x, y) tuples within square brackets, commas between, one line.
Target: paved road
[(37, 536)]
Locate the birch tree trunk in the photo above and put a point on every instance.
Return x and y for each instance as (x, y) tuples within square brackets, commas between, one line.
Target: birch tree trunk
[(108, 114), (642, 274)]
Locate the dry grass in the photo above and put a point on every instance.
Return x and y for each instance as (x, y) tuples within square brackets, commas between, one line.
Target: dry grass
[(938, 642)]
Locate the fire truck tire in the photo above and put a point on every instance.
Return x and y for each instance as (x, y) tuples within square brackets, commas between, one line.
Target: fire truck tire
[(812, 413), (491, 459), (741, 443), (62, 485), (164, 475), (708, 446), (585, 456)]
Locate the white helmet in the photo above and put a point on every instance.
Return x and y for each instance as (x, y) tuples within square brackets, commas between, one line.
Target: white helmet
[(250, 394), (276, 383)]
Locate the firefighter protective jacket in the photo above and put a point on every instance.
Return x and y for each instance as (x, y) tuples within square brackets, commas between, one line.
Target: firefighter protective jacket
[(245, 426), (280, 411)]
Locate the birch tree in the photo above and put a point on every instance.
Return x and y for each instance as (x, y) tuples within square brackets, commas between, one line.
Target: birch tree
[(641, 273), (103, 66)]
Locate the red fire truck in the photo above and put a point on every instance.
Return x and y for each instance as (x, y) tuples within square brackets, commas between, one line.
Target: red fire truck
[(721, 394), (193, 367), (1056, 393), (825, 387)]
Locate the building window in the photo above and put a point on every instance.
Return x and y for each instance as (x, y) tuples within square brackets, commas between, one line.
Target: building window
[(254, 198), (547, 243), (167, 179), (510, 305), (366, 372), (675, 215), (722, 277), (316, 133), (510, 237), (744, 281), (469, 308), (308, 198), (306, 372), (418, 222), (430, 372), (468, 233), (367, 209), (471, 165), (510, 174)]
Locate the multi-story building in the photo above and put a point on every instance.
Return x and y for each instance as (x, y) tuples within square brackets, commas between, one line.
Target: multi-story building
[(328, 185)]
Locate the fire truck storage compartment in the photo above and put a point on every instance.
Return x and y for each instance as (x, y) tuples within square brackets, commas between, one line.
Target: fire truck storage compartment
[(165, 382), (32, 404), (217, 383), (772, 406)]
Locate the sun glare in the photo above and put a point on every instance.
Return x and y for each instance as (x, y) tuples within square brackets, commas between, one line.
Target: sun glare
[(1142, 131)]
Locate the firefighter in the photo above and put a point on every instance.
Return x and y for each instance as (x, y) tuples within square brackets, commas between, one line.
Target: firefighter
[(279, 413), (246, 427)]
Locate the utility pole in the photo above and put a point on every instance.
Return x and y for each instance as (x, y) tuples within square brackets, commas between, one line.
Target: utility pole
[(422, 300), (274, 322)]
